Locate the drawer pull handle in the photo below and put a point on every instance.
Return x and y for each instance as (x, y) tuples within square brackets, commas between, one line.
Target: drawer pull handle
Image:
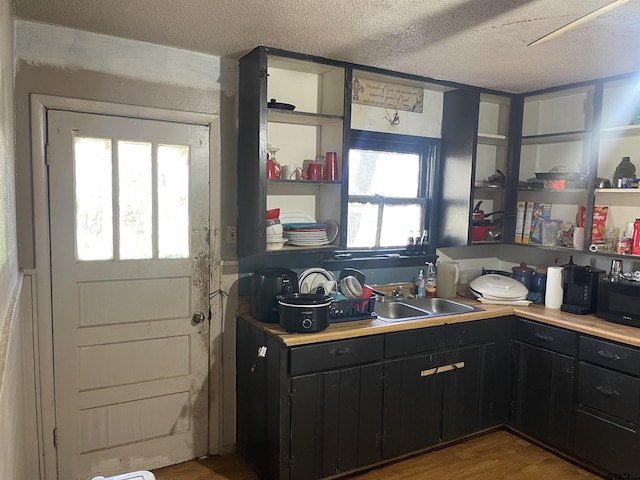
[(607, 392), (445, 368), (545, 338), (608, 355), (340, 351)]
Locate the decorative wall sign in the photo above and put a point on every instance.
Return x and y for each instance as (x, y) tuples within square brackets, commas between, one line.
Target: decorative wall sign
[(387, 95)]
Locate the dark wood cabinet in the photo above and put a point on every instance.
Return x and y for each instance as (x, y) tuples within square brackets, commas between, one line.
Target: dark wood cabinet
[(477, 395), (544, 403), (321, 409), (335, 421), (608, 406), (457, 384), (311, 411), (412, 404)]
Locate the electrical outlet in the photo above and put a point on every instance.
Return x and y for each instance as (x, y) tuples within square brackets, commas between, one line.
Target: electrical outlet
[(232, 234)]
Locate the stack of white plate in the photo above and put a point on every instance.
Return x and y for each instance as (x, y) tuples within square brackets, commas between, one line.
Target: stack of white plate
[(306, 234)]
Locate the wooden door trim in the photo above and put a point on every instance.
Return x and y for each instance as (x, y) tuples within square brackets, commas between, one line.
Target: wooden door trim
[(43, 334)]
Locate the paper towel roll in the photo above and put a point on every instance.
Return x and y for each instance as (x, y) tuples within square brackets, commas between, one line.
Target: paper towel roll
[(553, 295)]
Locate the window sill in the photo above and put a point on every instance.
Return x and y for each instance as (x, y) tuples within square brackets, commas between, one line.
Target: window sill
[(374, 259)]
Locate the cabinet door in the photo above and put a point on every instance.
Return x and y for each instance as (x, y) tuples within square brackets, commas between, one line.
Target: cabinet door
[(336, 420), (544, 403), (476, 393), (412, 404)]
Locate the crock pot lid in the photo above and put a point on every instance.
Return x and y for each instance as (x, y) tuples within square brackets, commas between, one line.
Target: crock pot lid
[(304, 300), (499, 287)]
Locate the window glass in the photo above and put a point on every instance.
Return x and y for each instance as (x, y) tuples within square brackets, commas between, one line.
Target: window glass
[(363, 223), (173, 201), (388, 190), (93, 198), (135, 200), (398, 221), (391, 174)]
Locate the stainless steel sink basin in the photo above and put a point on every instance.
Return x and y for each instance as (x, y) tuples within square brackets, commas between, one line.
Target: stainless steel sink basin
[(441, 306), (395, 311), (420, 308)]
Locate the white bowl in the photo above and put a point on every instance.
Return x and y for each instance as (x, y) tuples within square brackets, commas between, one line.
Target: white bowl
[(276, 245), (275, 229), (350, 287)]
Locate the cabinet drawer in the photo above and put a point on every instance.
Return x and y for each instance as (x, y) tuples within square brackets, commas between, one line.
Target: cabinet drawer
[(610, 392), (338, 354), (414, 341), (545, 336), (606, 444), (610, 355), (479, 331)]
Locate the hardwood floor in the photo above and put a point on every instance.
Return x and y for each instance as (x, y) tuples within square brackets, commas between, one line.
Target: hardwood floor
[(497, 455)]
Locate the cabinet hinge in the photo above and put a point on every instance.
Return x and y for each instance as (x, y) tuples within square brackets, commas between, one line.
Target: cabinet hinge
[(55, 437), (291, 394), (381, 379), (46, 155)]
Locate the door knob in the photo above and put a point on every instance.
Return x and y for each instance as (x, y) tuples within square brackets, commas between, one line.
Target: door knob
[(198, 317)]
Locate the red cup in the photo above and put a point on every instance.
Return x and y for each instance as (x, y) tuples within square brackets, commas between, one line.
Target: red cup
[(273, 169), (313, 171), (331, 166)]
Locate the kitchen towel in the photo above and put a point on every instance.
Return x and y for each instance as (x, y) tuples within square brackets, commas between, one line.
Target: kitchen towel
[(554, 292)]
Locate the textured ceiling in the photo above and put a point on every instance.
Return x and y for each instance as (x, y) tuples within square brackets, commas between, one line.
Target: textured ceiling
[(477, 42)]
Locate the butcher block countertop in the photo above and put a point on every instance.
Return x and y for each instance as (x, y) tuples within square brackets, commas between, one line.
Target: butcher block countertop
[(588, 324)]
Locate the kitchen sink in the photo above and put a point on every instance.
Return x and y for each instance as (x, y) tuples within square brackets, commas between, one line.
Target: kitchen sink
[(420, 308), (395, 311), (441, 306)]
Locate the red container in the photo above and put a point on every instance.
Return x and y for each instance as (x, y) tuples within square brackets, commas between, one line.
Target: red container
[(331, 166), (478, 232)]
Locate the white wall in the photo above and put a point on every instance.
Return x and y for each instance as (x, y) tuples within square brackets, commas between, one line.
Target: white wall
[(71, 63), (14, 407)]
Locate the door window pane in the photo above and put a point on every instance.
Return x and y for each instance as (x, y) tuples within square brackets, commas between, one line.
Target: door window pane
[(135, 200), (93, 198), (390, 174), (173, 201)]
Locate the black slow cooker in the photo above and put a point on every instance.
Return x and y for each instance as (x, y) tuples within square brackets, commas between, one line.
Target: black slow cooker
[(304, 312)]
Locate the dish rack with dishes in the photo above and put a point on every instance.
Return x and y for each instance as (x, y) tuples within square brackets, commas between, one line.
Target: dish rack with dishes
[(349, 310)]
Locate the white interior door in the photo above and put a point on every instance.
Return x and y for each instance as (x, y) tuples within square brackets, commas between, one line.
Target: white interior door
[(129, 209)]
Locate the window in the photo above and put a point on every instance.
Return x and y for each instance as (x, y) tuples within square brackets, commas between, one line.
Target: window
[(390, 185), (151, 186)]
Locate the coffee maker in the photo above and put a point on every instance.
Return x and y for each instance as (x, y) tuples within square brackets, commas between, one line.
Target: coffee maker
[(580, 288), (266, 285)]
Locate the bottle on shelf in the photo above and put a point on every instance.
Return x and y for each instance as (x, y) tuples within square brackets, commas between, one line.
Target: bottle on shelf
[(420, 288), (430, 281), (635, 239), (424, 242), (410, 245)]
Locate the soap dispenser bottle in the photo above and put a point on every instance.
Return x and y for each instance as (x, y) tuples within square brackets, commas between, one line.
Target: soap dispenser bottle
[(420, 288), (430, 281)]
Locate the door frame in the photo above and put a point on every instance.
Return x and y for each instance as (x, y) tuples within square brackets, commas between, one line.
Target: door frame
[(43, 334)]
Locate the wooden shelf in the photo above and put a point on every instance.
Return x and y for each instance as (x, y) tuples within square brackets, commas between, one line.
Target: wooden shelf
[(578, 136), (301, 118), (492, 139)]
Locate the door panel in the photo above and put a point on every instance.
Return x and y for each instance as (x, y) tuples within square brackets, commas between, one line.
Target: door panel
[(129, 216)]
